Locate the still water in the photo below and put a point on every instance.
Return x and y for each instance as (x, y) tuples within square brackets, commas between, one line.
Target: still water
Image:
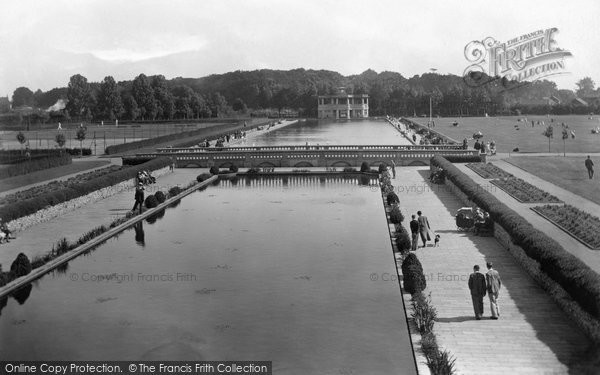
[(324, 132), (273, 268)]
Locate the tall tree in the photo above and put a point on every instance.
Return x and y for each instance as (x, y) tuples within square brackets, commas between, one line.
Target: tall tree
[(79, 95), (110, 105), (585, 87), (132, 110), (22, 96), (144, 97), (163, 97)]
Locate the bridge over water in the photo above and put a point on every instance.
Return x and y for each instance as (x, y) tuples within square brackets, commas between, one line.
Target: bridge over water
[(308, 156)]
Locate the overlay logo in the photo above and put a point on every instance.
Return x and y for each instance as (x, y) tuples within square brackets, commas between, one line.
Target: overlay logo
[(529, 57)]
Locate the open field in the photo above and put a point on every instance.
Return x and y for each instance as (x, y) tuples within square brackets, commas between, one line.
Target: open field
[(527, 138), (569, 173)]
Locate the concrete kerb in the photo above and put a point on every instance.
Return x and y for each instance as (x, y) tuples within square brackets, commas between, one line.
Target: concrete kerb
[(41, 271)]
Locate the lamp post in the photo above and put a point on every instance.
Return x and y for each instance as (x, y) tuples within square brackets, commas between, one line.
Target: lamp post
[(433, 70)]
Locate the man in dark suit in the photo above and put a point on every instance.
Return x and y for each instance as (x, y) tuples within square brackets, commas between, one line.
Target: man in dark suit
[(139, 197), (494, 284), (478, 287), (414, 230), (589, 164), (423, 228)]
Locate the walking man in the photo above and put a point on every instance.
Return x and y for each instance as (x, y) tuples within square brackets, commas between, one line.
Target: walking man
[(478, 287), (414, 230), (589, 164), (393, 169), (423, 228), (139, 197), (494, 284)]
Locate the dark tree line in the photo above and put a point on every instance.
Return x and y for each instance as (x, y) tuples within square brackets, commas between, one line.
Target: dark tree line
[(156, 98)]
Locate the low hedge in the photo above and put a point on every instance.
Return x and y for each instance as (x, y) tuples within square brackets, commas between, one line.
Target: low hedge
[(571, 274), (463, 159), (36, 164), (115, 149), (15, 210)]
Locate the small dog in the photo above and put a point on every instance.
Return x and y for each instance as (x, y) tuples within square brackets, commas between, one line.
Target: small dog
[(437, 240)]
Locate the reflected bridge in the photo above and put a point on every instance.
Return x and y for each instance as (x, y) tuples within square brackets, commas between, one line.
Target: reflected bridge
[(308, 156)]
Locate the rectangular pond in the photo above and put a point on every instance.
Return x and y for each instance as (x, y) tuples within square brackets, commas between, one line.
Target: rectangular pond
[(271, 268)]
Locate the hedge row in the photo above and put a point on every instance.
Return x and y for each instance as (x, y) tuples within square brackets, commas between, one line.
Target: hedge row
[(566, 270), (35, 164), (15, 210), (19, 156), (463, 159)]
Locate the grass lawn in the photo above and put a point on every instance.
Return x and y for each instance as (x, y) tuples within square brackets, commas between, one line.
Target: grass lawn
[(47, 174), (527, 138), (569, 173)]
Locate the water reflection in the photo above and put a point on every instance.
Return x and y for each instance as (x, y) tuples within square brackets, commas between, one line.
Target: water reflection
[(139, 233)]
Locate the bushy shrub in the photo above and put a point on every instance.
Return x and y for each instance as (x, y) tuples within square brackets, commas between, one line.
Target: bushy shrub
[(403, 240), (214, 170), (410, 260), (382, 168), (414, 280), (151, 201), (203, 177), (349, 169), (160, 196), (392, 198), (396, 216), (364, 167), (21, 265), (428, 344), (234, 168), (253, 171), (175, 190)]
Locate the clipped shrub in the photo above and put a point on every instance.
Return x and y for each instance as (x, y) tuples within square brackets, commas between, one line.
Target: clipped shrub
[(392, 198), (396, 216), (21, 265), (410, 260), (403, 240), (349, 169), (151, 201), (203, 177), (364, 167), (428, 344), (414, 280), (160, 196), (382, 168), (175, 190), (234, 168), (214, 170)]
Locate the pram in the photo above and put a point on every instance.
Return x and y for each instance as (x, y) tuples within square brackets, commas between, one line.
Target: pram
[(465, 218)]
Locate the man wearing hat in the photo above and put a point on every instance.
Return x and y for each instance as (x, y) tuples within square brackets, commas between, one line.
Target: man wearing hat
[(139, 197)]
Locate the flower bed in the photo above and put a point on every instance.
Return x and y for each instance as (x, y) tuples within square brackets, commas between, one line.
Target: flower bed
[(579, 224), (524, 192), (488, 170)]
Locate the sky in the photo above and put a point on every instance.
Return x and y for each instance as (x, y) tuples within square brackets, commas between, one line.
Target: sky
[(43, 43)]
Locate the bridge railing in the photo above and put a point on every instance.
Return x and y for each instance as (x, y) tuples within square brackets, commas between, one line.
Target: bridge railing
[(174, 150)]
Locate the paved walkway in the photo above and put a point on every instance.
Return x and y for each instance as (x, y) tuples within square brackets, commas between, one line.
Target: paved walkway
[(532, 336), (587, 255), (38, 239)]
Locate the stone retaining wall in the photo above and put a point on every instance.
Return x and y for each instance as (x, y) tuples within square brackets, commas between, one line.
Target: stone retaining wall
[(51, 212)]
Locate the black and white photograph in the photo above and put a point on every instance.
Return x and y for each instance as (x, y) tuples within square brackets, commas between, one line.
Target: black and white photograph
[(299, 187)]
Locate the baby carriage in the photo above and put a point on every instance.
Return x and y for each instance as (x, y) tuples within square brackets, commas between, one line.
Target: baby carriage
[(465, 218)]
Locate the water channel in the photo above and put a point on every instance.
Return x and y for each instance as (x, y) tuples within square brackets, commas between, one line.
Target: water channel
[(270, 268)]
